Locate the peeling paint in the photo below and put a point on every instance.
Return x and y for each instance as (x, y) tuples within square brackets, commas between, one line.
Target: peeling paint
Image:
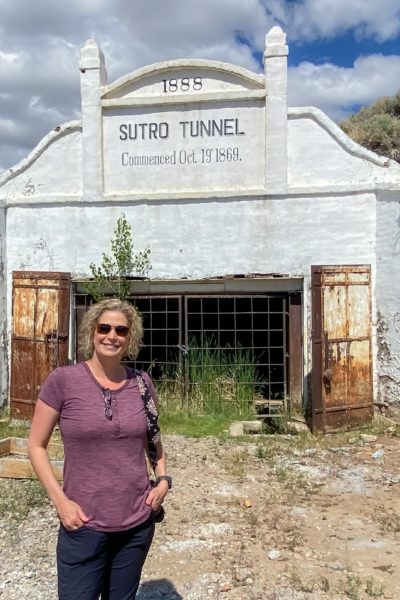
[(29, 189), (383, 351), (383, 348), (42, 246)]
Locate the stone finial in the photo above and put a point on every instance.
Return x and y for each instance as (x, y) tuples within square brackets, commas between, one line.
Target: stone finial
[(91, 56), (275, 36), (90, 43), (275, 43), (275, 65)]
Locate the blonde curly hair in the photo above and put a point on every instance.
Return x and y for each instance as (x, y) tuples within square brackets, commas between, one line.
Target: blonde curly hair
[(91, 318)]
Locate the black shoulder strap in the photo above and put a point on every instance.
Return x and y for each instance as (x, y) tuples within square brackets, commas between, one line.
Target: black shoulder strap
[(153, 428)]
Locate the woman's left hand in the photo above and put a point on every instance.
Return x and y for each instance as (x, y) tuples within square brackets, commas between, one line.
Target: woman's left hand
[(157, 495)]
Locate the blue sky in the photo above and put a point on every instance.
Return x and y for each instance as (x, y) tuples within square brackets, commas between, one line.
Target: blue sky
[(342, 50), (342, 55)]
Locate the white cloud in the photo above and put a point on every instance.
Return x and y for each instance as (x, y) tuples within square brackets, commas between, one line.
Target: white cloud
[(312, 19), (152, 30), (336, 89), (40, 42)]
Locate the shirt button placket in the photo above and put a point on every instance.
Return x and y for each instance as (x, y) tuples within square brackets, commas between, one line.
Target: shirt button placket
[(117, 429)]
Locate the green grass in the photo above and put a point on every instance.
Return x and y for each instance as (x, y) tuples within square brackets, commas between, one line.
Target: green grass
[(378, 426), (222, 380), (19, 429), (12, 428), (194, 425)]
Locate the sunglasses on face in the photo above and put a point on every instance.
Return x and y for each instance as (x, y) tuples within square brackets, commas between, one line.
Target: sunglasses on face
[(105, 328)]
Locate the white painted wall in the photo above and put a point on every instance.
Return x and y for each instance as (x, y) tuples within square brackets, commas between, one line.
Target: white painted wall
[(388, 296), (320, 155), (53, 169), (198, 239)]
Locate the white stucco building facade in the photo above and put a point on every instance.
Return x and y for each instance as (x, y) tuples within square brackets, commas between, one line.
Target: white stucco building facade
[(228, 185)]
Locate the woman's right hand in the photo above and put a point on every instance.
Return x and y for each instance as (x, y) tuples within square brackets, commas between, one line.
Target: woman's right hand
[(71, 515), (43, 423)]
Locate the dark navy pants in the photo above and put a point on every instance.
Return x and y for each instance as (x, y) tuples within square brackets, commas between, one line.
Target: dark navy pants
[(93, 563)]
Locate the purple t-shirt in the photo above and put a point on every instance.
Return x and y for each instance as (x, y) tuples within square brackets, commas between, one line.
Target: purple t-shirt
[(104, 466)]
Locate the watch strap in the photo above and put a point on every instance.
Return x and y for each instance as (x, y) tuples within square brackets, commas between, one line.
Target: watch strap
[(166, 478)]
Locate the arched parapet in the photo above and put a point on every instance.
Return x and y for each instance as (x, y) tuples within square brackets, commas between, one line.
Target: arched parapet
[(52, 169), (173, 79), (55, 135), (317, 115), (321, 155)]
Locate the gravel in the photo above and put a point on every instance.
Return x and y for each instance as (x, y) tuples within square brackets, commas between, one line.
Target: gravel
[(245, 520)]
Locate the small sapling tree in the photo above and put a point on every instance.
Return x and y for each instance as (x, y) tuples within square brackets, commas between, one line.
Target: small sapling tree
[(111, 277)]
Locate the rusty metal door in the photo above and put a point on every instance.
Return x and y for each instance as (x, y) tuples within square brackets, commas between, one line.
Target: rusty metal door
[(341, 381), (41, 308)]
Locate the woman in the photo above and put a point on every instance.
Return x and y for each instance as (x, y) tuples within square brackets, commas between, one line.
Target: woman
[(106, 507)]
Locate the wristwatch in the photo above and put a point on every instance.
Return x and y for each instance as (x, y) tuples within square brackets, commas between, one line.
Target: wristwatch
[(166, 478)]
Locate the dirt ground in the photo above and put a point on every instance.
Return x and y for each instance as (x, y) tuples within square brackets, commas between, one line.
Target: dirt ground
[(280, 517)]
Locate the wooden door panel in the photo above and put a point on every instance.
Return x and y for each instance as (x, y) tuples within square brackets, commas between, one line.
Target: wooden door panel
[(342, 391), (335, 395), (334, 299), (23, 305), (44, 364), (359, 311), (360, 384), (22, 373), (40, 334), (46, 312)]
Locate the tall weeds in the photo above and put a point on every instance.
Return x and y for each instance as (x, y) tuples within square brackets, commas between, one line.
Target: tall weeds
[(214, 381)]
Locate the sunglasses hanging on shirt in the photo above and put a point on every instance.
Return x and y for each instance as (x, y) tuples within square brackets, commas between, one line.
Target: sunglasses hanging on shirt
[(107, 397)]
